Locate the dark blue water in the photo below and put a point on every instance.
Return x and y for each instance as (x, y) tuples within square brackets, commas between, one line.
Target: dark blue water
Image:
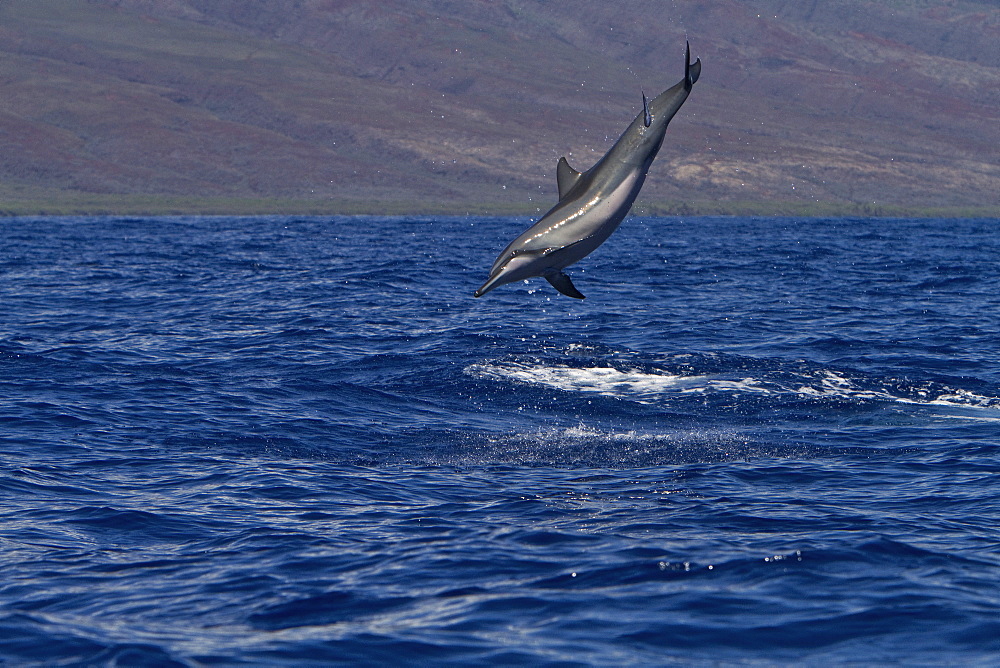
[(282, 441)]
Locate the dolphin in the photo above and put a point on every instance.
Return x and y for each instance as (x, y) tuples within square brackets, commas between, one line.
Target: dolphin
[(593, 203)]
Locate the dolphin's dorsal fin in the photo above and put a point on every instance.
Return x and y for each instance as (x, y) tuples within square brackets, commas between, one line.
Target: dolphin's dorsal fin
[(566, 177), (560, 281)]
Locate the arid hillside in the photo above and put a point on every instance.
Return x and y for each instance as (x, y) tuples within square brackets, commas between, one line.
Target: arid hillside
[(421, 105)]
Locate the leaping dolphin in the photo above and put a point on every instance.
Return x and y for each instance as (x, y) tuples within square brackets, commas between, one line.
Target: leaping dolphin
[(592, 204)]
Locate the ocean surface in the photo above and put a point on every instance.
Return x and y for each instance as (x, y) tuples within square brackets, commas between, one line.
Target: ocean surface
[(295, 441)]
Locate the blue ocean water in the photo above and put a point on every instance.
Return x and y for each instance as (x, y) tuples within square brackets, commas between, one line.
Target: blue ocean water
[(294, 441)]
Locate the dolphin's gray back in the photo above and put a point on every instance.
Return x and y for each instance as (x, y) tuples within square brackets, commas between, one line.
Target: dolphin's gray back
[(592, 204), (612, 183)]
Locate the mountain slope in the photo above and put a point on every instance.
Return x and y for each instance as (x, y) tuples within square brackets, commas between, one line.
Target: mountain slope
[(327, 105)]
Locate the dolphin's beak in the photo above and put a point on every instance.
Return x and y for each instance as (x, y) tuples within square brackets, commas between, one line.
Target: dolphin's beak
[(513, 270), (493, 282), (486, 287)]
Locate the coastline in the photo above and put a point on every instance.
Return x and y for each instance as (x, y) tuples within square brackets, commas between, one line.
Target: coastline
[(89, 204)]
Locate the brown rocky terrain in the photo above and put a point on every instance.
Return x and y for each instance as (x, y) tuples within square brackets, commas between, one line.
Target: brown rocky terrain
[(423, 105)]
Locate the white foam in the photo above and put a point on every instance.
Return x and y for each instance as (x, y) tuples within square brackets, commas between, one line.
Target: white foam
[(654, 387), (965, 398), (606, 381), (834, 386)]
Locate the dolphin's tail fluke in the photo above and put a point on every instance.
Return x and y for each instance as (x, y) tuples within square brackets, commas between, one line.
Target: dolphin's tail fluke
[(691, 72), (667, 103)]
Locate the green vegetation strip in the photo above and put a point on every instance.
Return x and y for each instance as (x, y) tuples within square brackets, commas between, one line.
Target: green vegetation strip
[(87, 204)]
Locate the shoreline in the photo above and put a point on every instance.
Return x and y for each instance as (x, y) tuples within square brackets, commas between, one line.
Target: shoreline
[(85, 204)]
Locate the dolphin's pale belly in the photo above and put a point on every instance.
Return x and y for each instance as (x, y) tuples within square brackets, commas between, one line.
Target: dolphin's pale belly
[(593, 223)]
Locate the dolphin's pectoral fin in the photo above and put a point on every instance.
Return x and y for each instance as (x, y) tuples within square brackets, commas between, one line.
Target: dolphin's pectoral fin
[(566, 177), (560, 281), (647, 118)]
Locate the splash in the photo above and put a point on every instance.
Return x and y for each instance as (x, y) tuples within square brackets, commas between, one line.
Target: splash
[(604, 447)]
